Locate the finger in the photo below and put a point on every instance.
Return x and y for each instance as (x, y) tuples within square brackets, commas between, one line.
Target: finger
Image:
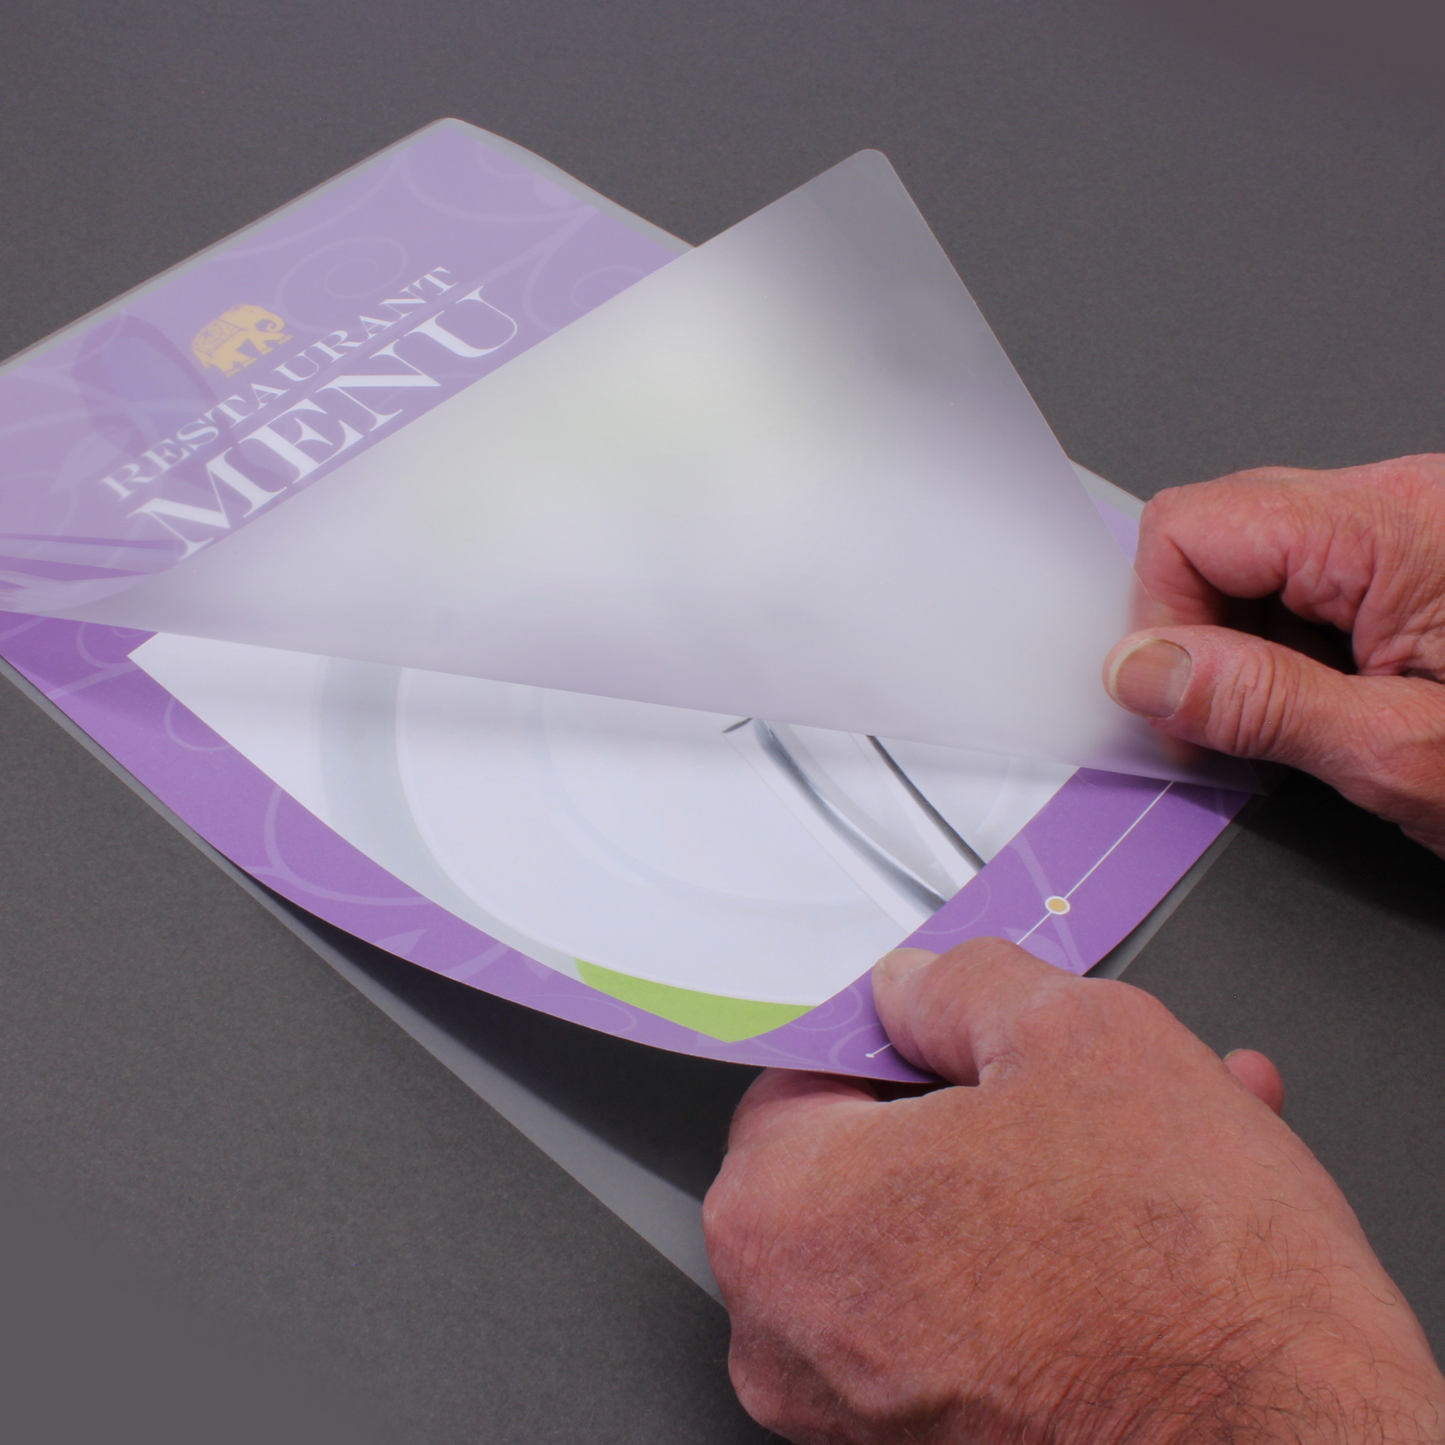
[(779, 1100), (1258, 1075), (1244, 536), (953, 1014)]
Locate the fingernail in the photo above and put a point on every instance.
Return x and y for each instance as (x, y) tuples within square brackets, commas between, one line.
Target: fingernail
[(896, 966), (1151, 678)]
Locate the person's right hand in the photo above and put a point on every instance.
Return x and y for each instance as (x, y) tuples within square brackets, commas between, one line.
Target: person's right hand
[(1360, 550), (1100, 1233)]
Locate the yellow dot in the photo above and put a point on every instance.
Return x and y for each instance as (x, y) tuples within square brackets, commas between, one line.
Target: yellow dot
[(1056, 904)]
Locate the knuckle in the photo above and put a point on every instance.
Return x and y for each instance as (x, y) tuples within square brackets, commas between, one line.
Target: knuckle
[(719, 1208), (821, 1381), (1173, 499), (947, 988), (1054, 1019), (755, 1381), (1108, 1043), (962, 970), (1409, 482), (1252, 708), (1156, 508), (1162, 510), (894, 1405), (1393, 759), (1400, 745), (1132, 1008), (740, 1223), (1091, 1013), (778, 1211), (989, 951), (1263, 476)]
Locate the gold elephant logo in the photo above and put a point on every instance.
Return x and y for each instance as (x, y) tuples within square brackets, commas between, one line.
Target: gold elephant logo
[(221, 343)]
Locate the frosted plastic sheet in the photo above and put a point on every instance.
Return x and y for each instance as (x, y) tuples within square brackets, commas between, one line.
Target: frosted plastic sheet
[(790, 475)]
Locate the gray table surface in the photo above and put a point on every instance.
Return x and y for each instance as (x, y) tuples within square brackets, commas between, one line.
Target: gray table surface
[(237, 1201)]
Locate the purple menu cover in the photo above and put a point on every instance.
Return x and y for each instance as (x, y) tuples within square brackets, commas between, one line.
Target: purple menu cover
[(158, 427)]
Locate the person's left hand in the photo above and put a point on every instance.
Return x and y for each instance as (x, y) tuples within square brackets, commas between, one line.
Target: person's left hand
[(1103, 1235)]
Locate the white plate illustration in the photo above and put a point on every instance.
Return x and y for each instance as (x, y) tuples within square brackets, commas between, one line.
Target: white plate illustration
[(708, 853)]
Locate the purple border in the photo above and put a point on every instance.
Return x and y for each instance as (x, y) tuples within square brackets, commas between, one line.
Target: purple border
[(1111, 846)]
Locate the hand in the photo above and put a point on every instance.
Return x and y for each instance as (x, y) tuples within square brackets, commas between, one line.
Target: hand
[(1102, 1236), (1361, 551)]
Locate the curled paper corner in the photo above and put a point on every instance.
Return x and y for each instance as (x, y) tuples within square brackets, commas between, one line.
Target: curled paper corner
[(789, 475)]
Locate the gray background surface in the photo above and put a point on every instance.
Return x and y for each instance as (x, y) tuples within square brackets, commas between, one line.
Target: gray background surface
[(236, 1201)]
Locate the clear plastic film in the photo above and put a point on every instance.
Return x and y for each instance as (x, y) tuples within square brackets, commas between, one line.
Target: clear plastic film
[(789, 475)]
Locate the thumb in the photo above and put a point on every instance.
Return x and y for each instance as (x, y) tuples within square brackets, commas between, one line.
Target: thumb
[(1241, 695), (956, 1014), (1379, 740)]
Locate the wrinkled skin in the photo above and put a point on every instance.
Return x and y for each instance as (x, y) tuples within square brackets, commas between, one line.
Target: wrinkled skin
[(1098, 1234), (1358, 554), (1099, 1231)]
